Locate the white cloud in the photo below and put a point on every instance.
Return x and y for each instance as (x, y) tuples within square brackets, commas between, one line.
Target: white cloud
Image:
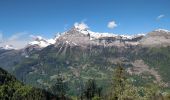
[(160, 17), (112, 24), (81, 26)]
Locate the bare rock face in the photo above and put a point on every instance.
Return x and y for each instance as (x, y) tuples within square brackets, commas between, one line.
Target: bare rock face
[(74, 38), (157, 38)]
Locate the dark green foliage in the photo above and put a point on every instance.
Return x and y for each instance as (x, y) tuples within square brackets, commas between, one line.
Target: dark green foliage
[(12, 89), (91, 90)]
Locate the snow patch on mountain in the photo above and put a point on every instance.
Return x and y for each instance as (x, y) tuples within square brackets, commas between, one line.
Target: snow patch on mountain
[(97, 35), (162, 30)]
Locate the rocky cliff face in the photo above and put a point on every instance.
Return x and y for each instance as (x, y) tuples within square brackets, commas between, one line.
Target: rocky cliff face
[(157, 38)]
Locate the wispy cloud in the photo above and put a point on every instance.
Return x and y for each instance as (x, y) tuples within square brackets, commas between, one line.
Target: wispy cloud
[(112, 24), (1, 37), (160, 17), (17, 36), (18, 44), (18, 40)]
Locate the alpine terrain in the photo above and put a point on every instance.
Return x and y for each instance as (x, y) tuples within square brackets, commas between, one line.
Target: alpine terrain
[(79, 54)]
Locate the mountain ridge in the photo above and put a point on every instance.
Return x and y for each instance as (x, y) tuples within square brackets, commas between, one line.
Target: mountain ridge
[(89, 37)]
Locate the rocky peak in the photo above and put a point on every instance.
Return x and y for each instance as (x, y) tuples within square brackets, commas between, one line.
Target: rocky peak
[(74, 37), (159, 32), (159, 37)]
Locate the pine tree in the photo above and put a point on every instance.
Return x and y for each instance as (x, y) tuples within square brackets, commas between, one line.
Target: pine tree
[(118, 82), (92, 91), (123, 88)]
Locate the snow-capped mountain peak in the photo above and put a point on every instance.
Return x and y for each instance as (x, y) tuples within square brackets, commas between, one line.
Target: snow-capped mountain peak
[(41, 42)]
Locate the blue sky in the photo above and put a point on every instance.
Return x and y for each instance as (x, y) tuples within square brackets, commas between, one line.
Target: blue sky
[(47, 17)]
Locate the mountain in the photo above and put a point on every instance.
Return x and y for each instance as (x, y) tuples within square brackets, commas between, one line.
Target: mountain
[(80, 54), (81, 36), (78, 36)]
